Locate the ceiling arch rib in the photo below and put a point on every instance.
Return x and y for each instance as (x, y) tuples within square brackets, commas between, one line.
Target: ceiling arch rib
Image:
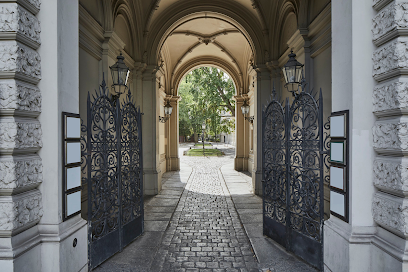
[(175, 17), (189, 50), (207, 61)]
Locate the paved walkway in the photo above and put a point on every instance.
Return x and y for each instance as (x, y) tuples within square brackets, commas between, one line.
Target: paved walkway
[(205, 219)]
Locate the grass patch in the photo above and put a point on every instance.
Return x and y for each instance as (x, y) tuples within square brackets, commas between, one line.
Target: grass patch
[(198, 144), (199, 152)]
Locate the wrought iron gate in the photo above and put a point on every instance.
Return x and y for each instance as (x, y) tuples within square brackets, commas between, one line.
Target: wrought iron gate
[(112, 149), (293, 200)]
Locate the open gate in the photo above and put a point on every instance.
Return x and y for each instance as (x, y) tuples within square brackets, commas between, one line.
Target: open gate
[(113, 164), (293, 200)]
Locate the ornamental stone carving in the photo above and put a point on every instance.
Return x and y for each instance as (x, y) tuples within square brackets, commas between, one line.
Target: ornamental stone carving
[(35, 3), (19, 211), (391, 136), (19, 173), (14, 18), (392, 17), (391, 213), (392, 96), (18, 95), (392, 56), (391, 175), (20, 135), (16, 57)]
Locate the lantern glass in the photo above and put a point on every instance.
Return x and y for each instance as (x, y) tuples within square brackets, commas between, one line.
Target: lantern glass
[(168, 109), (203, 126), (120, 72), (293, 70), (245, 108)]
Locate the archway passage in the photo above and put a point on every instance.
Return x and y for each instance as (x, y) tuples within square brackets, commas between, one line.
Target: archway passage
[(205, 40)]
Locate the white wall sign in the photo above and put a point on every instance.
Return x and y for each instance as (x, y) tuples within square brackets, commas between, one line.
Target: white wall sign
[(337, 152), (73, 153), (73, 177), (337, 177), (337, 202), (73, 129), (337, 126), (73, 203)]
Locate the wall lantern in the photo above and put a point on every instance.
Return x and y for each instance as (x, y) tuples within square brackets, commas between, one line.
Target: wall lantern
[(168, 109), (293, 72), (120, 75), (245, 111)]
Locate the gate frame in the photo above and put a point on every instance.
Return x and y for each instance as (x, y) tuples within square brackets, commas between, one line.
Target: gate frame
[(285, 234)]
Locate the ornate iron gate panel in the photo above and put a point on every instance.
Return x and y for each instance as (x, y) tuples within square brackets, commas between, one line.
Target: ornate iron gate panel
[(112, 150), (293, 200)]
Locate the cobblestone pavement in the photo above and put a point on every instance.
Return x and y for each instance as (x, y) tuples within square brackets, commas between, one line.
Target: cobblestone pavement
[(205, 233), (206, 218)]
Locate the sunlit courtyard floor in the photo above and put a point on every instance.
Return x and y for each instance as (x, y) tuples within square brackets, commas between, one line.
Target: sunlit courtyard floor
[(206, 218)]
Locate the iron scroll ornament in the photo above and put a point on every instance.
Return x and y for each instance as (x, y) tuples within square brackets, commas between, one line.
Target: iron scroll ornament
[(112, 173), (293, 174)]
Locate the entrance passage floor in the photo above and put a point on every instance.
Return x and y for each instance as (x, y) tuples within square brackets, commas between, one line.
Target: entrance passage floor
[(206, 218)]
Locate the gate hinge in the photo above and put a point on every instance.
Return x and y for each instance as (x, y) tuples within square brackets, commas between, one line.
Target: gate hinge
[(263, 180), (324, 152)]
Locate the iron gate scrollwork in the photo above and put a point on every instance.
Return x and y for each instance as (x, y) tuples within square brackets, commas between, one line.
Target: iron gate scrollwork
[(293, 192), (113, 169)]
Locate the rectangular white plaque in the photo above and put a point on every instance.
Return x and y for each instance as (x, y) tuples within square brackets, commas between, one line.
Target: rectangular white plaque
[(337, 177), (73, 127), (337, 128), (337, 152), (73, 177), (73, 152), (73, 203), (337, 202)]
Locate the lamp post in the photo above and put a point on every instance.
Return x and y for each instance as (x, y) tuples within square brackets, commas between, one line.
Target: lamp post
[(203, 126), (120, 76), (293, 73)]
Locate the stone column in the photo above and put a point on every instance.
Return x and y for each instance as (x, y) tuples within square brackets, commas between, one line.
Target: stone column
[(173, 159), (262, 85), (241, 136), (21, 168), (150, 128)]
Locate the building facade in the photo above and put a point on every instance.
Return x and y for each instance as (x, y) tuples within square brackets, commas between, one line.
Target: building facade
[(53, 52)]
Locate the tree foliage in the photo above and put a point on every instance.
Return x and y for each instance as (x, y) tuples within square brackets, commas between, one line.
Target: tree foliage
[(206, 94)]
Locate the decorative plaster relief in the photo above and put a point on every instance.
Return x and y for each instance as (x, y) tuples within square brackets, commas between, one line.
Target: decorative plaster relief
[(393, 17), (391, 175), (15, 18), (392, 136), (391, 212), (18, 95), (20, 135), (18, 211), (392, 96), (19, 173), (16, 57), (392, 56)]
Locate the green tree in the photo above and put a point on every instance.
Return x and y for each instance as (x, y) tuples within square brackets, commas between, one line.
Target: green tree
[(206, 93)]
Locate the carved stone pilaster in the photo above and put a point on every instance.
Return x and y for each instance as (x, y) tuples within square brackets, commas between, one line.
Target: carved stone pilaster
[(17, 95), (390, 22), (391, 175), (390, 60), (19, 173), (391, 137), (20, 212), (18, 58), (20, 134), (16, 19), (391, 213)]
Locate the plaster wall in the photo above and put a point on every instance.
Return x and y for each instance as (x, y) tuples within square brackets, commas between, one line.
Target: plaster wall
[(60, 90)]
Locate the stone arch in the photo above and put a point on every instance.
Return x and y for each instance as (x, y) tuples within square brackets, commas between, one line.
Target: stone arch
[(242, 20), (206, 61)]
